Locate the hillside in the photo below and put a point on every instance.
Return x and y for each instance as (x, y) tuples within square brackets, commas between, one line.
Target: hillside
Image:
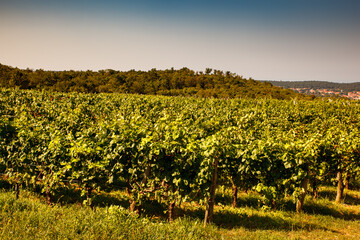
[(346, 87), (170, 82)]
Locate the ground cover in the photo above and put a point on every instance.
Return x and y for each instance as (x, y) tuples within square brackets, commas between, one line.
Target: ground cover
[(29, 217)]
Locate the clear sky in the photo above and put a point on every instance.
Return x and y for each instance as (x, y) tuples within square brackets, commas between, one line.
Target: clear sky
[(262, 39)]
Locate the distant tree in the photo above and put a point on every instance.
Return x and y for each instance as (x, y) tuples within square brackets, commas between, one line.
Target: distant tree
[(183, 82)]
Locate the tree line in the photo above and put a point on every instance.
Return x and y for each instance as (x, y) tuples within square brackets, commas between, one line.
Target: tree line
[(346, 87), (170, 82)]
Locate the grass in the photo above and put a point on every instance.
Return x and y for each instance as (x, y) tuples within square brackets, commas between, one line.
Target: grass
[(30, 218)]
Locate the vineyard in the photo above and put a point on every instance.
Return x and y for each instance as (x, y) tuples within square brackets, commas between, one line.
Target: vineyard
[(177, 149)]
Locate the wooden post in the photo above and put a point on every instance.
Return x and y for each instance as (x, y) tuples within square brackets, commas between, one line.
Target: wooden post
[(340, 187), (300, 201), (88, 196), (315, 188), (211, 200), (17, 190), (48, 195), (171, 211), (347, 180), (235, 194), (133, 206)]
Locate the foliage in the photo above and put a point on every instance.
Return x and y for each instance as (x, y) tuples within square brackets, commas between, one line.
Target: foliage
[(170, 82), (346, 87), (166, 149)]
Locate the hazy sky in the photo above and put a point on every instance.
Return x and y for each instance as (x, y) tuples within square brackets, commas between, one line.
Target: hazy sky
[(262, 39)]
